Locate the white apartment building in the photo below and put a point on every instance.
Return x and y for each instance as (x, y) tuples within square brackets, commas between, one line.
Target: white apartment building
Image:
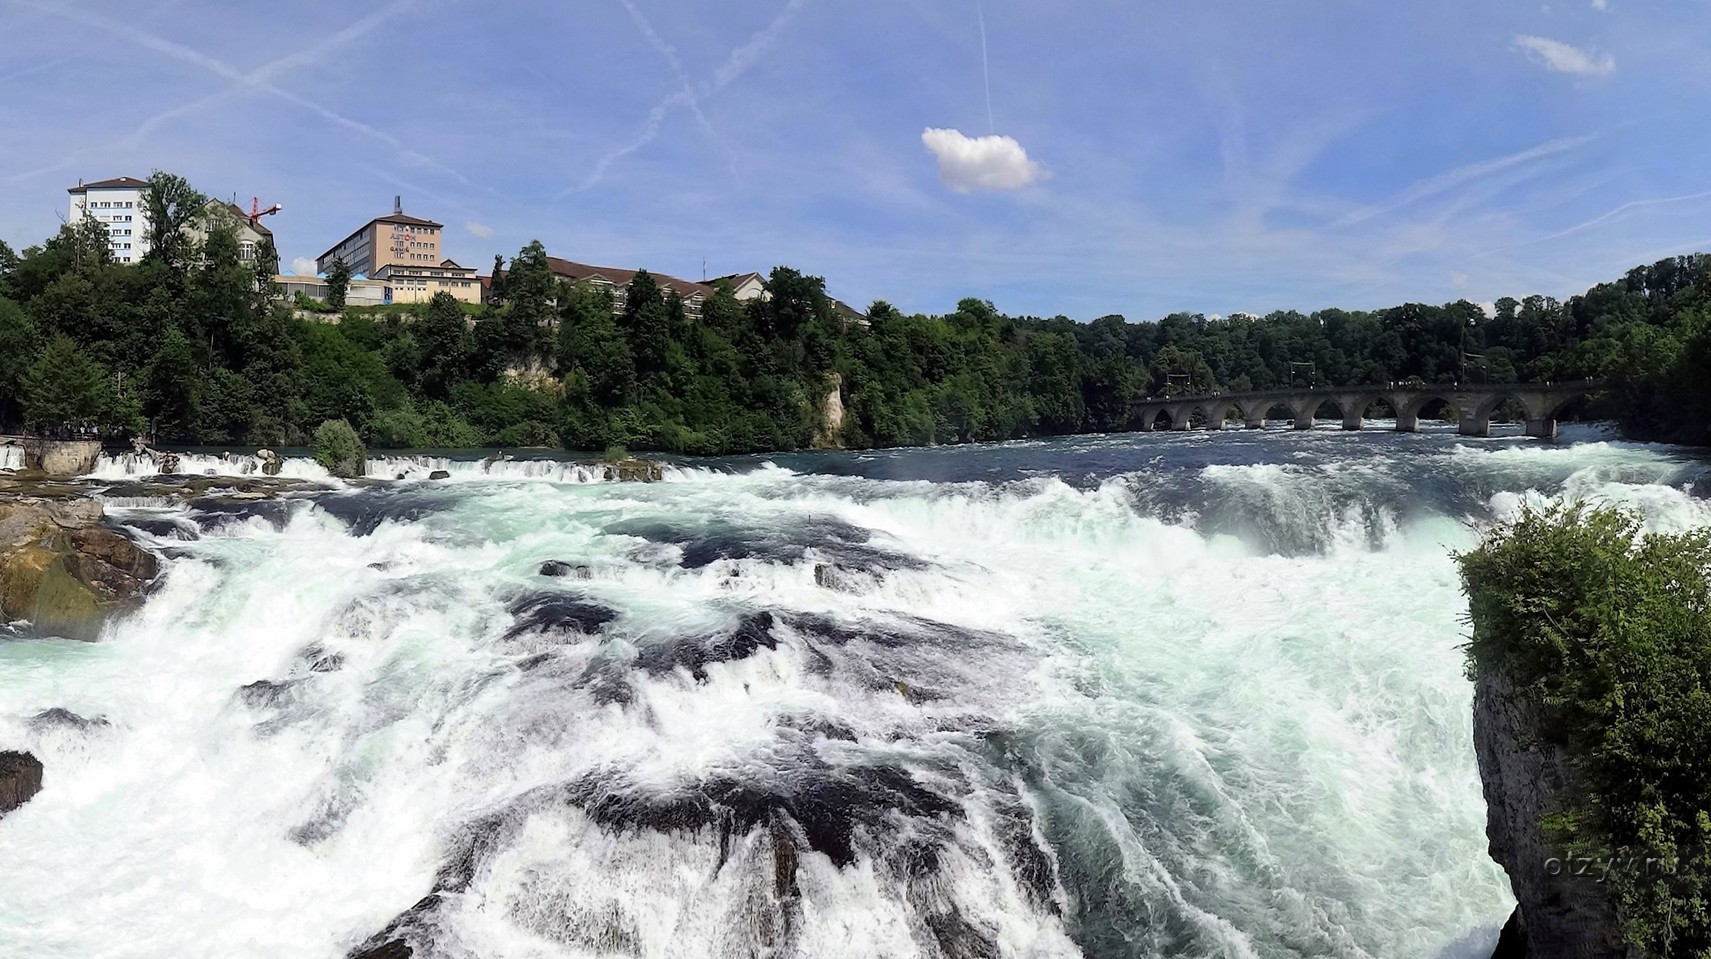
[(119, 204)]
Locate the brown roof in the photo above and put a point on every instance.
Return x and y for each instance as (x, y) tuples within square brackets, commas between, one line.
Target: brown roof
[(576, 272), (736, 279), (442, 271), (848, 312), (405, 219), (117, 183)]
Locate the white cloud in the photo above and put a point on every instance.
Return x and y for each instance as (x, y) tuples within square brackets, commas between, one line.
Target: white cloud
[(969, 163), (303, 266), (479, 229), (1459, 278), (1600, 4), (1563, 58)]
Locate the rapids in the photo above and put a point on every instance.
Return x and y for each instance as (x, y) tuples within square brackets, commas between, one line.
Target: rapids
[(1192, 695)]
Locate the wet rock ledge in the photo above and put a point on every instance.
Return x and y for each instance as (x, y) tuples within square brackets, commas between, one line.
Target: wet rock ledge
[(20, 779), (61, 570)]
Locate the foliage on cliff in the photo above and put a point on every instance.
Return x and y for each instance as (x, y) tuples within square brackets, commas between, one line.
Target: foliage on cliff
[(189, 346), (1610, 630)]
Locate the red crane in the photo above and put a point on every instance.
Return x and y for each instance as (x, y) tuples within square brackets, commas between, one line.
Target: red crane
[(256, 212)]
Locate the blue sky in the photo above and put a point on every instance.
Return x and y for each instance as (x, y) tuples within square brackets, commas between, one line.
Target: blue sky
[(1203, 155)]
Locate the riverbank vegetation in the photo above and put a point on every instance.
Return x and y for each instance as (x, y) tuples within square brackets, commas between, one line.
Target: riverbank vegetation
[(190, 346), (1609, 632)]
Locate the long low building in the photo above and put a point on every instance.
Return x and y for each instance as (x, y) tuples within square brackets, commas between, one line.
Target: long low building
[(359, 293), (418, 284)]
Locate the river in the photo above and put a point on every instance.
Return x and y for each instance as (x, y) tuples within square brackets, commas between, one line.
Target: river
[(1167, 695)]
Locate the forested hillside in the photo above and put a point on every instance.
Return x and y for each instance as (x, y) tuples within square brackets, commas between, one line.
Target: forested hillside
[(189, 346)]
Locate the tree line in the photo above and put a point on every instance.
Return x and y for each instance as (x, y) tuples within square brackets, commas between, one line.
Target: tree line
[(192, 345)]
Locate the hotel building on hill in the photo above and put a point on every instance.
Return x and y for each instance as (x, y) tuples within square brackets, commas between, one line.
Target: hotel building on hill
[(395, 240)]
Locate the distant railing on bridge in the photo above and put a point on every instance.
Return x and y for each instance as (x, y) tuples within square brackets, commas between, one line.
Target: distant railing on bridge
[(1474, 404)]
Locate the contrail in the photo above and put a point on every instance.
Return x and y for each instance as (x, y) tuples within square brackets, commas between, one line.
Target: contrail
[(1611, 215), (740, 60), (669, 52), (986, 66), (260, 79)]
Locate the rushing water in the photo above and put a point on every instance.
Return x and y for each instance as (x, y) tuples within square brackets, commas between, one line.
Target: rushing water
[(1165, 695)]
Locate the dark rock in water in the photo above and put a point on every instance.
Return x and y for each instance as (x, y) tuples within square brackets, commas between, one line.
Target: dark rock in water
[(267, 692), (1512, 941), (321, 661), (20, 780), (63, 571), (607, 683), (707, 542), (440, 475), (57, 718), (785, 860), (557, 569), (394, 949), (163, 528), (830, 804), (366, 509), (751, 634), (558, 613), (214, 512)]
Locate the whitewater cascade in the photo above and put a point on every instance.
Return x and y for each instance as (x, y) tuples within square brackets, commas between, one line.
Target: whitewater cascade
[(1102, 697)]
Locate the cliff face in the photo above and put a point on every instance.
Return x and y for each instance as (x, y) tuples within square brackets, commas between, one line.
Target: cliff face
[(830, 433), (1564, 915)]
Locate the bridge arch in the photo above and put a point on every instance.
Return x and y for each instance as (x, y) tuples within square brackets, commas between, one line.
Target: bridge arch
[(1218, 412)]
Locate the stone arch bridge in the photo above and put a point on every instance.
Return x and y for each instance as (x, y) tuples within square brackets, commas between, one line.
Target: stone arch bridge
[(1474, 404)]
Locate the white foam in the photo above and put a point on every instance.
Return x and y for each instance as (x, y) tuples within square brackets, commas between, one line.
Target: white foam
[(1268, 753)]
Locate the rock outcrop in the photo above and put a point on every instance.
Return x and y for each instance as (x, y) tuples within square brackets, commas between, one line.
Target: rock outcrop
[(1563, 909), (830, 433), (20, 779), (62, 457), (64, 572), (632, 470)]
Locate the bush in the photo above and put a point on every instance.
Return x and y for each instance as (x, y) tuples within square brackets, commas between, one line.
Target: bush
[(1610, 632), (339, 449), (399, 429), (616, 453)]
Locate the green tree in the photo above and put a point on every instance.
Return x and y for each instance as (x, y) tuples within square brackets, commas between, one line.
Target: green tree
[(172, 206), (65, 392), (338, 284), (170, 393), (19, 343)]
